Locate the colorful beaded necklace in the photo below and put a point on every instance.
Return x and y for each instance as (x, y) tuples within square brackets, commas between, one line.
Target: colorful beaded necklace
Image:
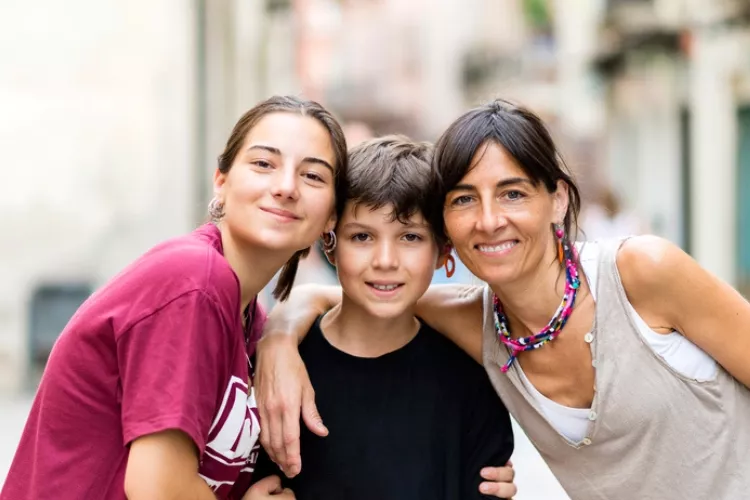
[(556, 324)]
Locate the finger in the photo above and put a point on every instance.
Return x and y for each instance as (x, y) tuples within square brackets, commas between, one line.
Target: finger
[(292, 462), (270, 484), (274, 429), (310, 414), (498, 474), (287, 494), (499, 490)]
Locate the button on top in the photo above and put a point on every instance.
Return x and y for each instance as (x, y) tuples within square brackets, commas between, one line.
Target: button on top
[(593, 363), (592, 415), (588, 338), (586, 441)]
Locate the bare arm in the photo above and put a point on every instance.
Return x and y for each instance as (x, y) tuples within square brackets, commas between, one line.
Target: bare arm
[(164, 466), (282, 386), (672, 292), (456, 312)]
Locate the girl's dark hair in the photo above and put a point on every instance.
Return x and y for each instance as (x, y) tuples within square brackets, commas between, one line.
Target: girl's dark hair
[(522, 134), (288, 104)]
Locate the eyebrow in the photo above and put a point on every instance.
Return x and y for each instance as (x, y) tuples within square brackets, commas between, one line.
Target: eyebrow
[(277, 152), (503, 183), (359, 225)]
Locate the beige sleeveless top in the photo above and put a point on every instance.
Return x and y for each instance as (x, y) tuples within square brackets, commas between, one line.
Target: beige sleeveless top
[(653, 433)]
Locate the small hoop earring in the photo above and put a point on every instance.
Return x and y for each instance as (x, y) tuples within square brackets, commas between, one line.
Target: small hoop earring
[(215, 209), (450, 266), (329, 241)]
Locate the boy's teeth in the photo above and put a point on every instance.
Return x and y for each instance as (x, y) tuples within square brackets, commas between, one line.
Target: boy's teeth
[(497, 248), (384, 288)]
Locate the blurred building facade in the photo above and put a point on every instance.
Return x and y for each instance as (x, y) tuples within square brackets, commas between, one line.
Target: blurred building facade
[(114, 113)]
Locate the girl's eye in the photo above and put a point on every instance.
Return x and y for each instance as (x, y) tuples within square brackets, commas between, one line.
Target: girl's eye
[(411, 237), (361, 237), (262, 164), (313, 177)]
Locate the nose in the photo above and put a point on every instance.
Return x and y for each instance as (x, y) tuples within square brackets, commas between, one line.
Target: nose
[(492, 217), (285, 183), (385, 256)]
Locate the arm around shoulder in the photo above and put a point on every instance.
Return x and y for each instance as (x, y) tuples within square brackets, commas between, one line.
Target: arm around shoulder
[(671, 291), (456, 312)]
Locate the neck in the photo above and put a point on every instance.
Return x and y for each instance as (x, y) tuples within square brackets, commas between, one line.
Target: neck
[(353, 330), (253, 266), (530, 302)]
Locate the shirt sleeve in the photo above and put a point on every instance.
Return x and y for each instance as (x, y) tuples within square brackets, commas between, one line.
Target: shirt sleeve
[(488, 440), (173, 366)]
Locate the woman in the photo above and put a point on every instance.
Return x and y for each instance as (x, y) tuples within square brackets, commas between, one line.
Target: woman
[(145, 395), (628, 366)]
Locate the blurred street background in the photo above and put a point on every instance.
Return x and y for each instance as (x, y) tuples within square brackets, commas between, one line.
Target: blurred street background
[(112, 114)]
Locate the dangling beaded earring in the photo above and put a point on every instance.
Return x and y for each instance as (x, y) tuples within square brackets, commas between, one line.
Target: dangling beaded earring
[(560, 234), (568, 255), (215, 209), (329, 241)]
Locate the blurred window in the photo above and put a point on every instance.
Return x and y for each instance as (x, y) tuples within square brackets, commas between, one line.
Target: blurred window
[(52, 306)]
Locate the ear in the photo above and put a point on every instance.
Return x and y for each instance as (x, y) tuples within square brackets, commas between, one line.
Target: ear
[(443, 254), (331, 224), (219, 181), (560, 200)]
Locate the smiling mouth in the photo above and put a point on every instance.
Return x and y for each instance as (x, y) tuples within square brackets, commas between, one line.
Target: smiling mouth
[(383, 287), (496, 248), (284, 214)]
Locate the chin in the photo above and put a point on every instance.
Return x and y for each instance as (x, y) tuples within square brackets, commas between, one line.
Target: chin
[(386, 311), (270, 240)]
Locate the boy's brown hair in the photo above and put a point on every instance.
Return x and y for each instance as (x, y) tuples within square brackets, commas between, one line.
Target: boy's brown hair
[(393, 170)]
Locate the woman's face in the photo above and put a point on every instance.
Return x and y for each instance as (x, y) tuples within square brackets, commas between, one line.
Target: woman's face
[(279, 192), (500, 222)]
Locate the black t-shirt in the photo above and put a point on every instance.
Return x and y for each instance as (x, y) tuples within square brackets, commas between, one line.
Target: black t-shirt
[(416, 423)]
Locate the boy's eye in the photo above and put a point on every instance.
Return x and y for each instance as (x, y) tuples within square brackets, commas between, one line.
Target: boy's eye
[(411, 237), (360, 237)]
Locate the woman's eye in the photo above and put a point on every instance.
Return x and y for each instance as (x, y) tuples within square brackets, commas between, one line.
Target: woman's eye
[(514, 195), (461, 200), (411, 237)]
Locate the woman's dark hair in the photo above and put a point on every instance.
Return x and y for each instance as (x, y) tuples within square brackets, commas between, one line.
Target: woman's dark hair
[(522, 134), (288, 104)]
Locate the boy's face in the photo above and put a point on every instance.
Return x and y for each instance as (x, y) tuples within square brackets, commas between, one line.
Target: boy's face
[(384, 266)]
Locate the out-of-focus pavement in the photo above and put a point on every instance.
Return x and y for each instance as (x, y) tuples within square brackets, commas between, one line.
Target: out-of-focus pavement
[(534, 480)]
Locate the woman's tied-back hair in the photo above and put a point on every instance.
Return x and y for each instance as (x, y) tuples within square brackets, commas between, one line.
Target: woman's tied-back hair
[(288, 104), (392, 170)]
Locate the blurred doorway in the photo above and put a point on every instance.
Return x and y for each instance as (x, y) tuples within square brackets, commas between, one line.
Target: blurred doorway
[(743, 201)]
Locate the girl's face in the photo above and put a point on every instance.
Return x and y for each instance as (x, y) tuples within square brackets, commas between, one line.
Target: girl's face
[(499, 221), (279, 192)]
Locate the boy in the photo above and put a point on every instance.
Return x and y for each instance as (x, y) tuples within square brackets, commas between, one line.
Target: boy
[(411, 416)]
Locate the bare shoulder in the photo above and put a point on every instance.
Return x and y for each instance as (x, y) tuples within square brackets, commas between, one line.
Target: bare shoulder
[(645, 262)]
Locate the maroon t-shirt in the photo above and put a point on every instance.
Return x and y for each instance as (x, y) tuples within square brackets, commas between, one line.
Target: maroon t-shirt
[(161, 346)]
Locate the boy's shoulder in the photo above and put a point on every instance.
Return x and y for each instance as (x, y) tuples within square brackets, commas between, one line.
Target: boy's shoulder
[(445, 351)]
